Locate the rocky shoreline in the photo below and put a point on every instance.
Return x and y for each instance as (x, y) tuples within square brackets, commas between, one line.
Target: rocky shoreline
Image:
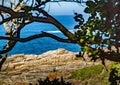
[(29, 68)]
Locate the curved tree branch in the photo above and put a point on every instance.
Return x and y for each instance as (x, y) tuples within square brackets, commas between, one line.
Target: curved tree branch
[(43, 34), (52, 20), (6, 10), (8, 49), (25, 14), (46, 19)]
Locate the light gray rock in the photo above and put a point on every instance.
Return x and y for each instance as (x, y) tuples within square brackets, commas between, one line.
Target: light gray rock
[(26, 68)]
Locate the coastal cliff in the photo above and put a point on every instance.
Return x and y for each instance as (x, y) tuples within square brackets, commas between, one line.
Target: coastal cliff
[(29, 68)]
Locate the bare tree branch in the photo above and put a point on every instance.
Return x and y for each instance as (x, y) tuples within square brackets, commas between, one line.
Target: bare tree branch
[(25, 15), (43, 34), (3, 60), (9, 49), (52, 20), (48, 19), (6, 10)]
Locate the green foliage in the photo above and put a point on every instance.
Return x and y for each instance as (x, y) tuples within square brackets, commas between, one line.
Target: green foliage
[(87, 72), (116, 66), (114, 76), (97, 74), (101, 30)]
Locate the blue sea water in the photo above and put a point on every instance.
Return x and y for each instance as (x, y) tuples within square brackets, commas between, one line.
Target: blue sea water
[(40, 45)]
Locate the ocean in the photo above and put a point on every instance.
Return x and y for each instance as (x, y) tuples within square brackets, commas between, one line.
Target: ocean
[(41, 45)]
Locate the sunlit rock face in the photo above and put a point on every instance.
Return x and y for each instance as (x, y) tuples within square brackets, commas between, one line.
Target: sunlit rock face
[(29, 68)]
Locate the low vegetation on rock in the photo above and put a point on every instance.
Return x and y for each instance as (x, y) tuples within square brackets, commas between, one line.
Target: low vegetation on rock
[(53, 82), (98, 75)]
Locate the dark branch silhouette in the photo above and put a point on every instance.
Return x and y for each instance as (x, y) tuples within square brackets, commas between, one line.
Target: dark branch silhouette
[(24, 17), (20, 15), (43, 34)]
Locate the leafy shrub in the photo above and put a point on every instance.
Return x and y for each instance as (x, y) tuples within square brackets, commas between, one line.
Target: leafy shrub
[(114, 76)]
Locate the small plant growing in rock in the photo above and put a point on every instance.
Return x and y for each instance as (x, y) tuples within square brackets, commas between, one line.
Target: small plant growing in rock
[(56, 81)]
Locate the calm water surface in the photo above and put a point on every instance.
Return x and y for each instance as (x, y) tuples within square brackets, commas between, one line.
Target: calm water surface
[(41, 45)]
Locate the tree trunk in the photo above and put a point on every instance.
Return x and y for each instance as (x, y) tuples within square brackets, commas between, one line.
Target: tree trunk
[(3, 60)]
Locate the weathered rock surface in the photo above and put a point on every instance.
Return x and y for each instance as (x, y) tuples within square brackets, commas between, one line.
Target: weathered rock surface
[(29, 68)]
